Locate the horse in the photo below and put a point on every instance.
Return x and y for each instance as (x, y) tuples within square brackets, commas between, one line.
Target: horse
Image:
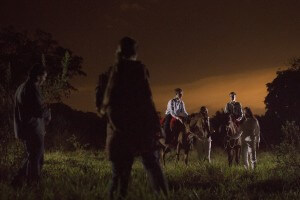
[(200, 133), (232, 139), (193, 131), (180, 140)]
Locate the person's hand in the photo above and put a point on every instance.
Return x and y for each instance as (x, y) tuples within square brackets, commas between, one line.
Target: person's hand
[(179, 119), (98, 109)]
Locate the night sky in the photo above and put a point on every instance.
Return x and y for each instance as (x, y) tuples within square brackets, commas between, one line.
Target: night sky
[(208, 48)]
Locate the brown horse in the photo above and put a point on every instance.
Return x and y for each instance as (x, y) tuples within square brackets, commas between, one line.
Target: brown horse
[(180, 140), (232, 140)]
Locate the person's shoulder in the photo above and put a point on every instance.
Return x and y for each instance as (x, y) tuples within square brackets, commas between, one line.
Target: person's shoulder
[(171, 100), (237, 103), (105, 73), (29, 85), (20, 88)]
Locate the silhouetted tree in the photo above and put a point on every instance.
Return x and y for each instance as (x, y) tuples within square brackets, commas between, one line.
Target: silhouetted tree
[(283, 99), (18, 52)]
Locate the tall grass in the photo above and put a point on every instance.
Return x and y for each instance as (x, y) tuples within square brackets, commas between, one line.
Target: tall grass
[(86, 175)]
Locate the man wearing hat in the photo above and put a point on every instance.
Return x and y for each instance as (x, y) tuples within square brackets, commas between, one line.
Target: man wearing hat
[(234, 108)]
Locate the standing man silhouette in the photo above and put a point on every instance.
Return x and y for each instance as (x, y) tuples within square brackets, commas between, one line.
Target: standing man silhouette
[(132, 120), (30, 117)]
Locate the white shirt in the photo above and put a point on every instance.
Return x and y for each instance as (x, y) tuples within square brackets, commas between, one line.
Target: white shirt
[(176, 107)]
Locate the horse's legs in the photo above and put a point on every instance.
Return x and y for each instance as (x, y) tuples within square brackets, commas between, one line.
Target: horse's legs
[(230, 153), (208, 150), (164, 152), (237, 154), (161, 155), (178, 151), (186, 155), (245, 155)]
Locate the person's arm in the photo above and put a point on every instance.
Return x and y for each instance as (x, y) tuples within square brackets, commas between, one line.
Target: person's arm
[(38, 109), (240, 112), (226, 108), (257, 133), (170, 108), (210, 131), (184, 110)]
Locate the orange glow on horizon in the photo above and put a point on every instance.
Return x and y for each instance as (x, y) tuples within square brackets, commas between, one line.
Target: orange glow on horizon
[(213, 91)]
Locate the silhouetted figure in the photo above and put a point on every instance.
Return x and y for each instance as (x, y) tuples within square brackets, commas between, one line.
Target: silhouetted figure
[(175, 111), (250, 138), (132, 120), (234, 108), (30, 116)]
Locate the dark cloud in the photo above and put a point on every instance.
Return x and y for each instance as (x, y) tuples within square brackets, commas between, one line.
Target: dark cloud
[(181, 42)]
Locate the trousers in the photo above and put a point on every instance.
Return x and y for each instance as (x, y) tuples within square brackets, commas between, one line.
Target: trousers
[(121, 169), (249, 152), (34, 160)]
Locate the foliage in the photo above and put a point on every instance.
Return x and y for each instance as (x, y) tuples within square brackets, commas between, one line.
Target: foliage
[(283, 99), (288, 153), (73, 140), (20, 50), (56, 86), (64, 125)]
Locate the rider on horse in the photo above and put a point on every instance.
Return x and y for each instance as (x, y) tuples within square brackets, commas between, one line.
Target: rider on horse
[(175, 111), (234, 108)]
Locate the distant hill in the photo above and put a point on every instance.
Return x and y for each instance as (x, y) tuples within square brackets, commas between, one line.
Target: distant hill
[(69, 126)]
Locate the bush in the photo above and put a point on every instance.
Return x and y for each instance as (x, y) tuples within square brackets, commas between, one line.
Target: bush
[(288, 154)]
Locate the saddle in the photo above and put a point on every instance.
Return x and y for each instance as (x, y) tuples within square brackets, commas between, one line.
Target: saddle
[(172, 123)]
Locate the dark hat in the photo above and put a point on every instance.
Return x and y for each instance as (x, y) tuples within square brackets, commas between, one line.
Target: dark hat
[(128, 46)]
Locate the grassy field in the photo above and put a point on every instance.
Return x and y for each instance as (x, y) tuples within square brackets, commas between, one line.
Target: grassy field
[(86, 175)]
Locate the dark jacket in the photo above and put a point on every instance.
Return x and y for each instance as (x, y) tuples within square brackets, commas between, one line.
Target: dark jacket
[(235, 109), (29, 112), (131, 113)]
